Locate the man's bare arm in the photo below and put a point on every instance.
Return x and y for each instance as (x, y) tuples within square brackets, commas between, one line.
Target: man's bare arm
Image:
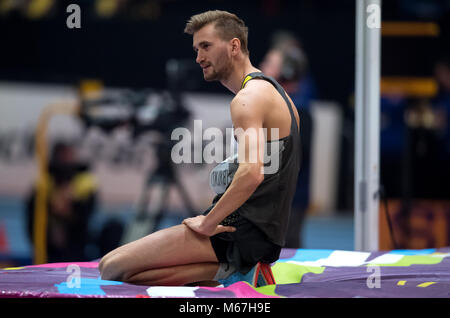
[(247, 116)]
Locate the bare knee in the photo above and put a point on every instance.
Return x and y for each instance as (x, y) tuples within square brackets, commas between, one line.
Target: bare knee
[(106, 268), (112, 267)]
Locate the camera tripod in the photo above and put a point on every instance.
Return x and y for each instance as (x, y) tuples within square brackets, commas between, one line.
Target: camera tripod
[(163, 178)]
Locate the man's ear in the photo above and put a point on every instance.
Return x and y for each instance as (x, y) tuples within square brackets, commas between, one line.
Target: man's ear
[(235, 46)]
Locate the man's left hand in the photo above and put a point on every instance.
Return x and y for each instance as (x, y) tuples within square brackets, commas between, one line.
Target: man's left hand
[(198, 224)]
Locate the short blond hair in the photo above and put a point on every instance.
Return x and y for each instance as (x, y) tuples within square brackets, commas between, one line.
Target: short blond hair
[(227, 24)]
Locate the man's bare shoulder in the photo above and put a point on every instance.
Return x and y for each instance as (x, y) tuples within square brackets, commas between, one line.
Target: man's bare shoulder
[(249, 103), (257, 88), (254, 94)]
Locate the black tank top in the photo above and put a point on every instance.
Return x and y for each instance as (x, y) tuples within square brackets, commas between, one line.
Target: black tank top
[(269, 206)]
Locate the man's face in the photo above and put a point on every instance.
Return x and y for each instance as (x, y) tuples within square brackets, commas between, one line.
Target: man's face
[(213, 53)]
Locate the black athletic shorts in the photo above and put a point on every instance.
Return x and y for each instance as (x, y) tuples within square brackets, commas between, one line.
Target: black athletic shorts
[(245, 247)]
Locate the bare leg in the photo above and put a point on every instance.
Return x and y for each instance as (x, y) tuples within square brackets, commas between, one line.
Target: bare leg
[(176, 275), (177, 245)]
